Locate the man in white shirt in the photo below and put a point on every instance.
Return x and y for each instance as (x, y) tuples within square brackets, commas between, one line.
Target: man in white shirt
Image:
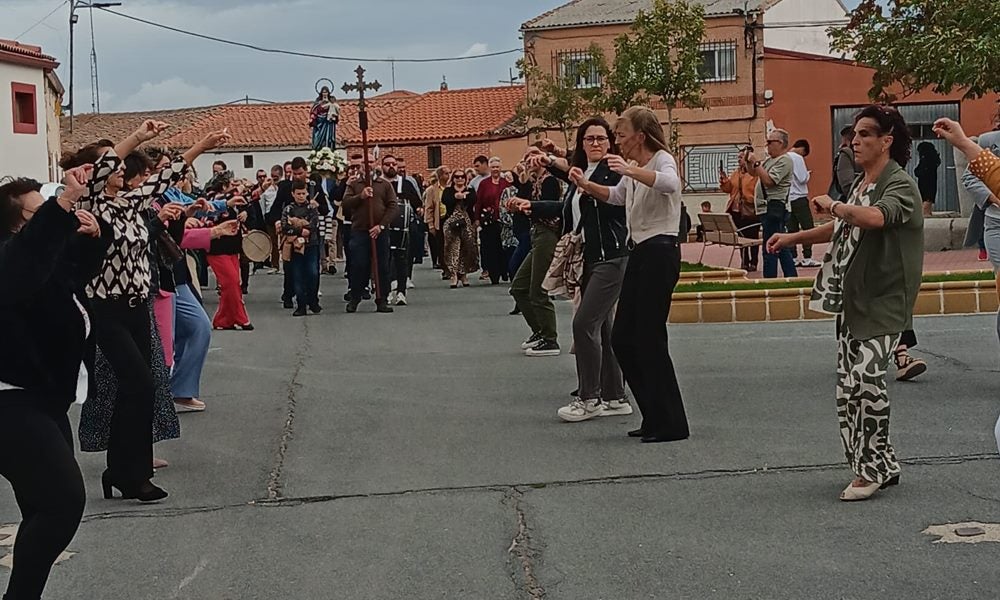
[(482, 166), (801, 218)]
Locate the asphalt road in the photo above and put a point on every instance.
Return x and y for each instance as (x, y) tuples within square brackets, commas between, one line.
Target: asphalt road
[(418, 455)]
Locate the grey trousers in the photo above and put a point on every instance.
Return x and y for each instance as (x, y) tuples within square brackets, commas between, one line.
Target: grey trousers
[(597, 369)]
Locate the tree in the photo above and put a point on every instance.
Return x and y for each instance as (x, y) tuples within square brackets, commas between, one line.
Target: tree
[(916, 44), (558, 100), (660, 57)]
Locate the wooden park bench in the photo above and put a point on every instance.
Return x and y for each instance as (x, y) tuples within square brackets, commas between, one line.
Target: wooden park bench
[(719, 229)]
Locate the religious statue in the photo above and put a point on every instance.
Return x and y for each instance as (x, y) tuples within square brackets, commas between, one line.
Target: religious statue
[(323, 119)]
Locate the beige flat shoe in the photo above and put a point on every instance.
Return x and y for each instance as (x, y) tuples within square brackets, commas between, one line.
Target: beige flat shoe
[(188, 405), (159, 463), (857, 494)]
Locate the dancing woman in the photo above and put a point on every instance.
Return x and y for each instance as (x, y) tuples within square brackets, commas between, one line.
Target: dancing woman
[(461, 254), (601, 385), (47, 255), (120, 297), (870, 278), (650, 190)]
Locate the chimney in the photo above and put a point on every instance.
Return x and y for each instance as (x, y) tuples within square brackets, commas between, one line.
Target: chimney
[(444, 83)]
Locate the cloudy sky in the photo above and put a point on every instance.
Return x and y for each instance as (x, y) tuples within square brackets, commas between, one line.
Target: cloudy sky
[(143, 68)]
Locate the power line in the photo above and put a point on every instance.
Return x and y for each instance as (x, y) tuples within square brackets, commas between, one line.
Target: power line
[(42, 20), (307, 54)]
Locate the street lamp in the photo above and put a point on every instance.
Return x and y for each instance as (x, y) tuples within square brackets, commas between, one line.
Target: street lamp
[(73, 19)]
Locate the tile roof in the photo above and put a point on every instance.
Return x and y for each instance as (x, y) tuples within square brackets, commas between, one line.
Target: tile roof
[(451, 114), (393, 117), (11, 47), (582, 13)]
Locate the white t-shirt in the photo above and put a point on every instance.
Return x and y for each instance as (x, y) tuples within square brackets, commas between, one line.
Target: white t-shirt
[(800, 177), (651, 211), (577, 210)]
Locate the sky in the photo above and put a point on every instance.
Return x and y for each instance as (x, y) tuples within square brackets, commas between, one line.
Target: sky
[(145, 68)]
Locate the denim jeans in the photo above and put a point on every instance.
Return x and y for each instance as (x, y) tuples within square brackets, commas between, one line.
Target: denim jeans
[(773, 225), (305, 276), (192, 335), (361, 254), (522, 250)]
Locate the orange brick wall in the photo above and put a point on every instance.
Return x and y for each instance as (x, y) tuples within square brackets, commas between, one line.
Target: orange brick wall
[(806, 91)]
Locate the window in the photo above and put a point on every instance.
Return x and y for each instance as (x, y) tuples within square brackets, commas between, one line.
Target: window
[(248, 161), (433, 157), (701, 166), (25, 108), (580, 68), (718, 62)]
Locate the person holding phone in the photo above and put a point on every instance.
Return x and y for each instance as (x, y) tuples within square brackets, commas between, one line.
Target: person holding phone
[(741, 186)]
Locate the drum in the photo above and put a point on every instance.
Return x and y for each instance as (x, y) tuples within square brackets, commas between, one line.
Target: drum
[(257, 246)]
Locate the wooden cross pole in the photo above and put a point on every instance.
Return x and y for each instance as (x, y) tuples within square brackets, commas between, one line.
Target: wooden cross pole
[(361, 87)]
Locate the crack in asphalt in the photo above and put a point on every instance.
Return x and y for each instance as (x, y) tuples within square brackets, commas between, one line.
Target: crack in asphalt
[(504, 488), (522, 551), (274, 480)]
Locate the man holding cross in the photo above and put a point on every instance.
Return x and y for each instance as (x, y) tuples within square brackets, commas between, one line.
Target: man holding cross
[(373, 208)]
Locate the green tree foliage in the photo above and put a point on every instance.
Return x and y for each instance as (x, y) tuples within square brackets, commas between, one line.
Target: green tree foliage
[(943, 45), (558, 100), (661, 58)]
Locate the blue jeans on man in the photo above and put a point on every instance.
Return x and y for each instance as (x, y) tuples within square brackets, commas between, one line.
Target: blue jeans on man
[(361, 260), (305, 276), (775, 221)]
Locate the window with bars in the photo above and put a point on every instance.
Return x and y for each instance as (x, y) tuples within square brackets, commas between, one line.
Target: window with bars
[(433, 157), (702, 163), (718, 62), (580, 67)]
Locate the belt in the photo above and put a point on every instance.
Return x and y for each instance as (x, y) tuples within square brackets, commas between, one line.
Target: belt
[(663, 239), (131, 301)]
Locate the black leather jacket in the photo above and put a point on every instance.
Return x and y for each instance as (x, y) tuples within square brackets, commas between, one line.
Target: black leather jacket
[(604, 227)]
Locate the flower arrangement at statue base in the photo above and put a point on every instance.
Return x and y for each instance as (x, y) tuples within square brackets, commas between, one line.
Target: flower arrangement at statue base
[(326, 162)]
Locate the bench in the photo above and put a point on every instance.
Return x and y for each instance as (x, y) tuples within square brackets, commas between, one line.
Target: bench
[(719, 229)]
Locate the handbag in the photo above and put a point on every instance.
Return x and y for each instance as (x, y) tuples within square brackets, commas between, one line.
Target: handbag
[(566, 271)]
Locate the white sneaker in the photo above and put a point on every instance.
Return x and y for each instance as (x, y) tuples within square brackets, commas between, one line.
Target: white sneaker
[(798, 262), (400, 299), (581, 410), (616, 408), (809, 262), (409, 284), (392, 297)]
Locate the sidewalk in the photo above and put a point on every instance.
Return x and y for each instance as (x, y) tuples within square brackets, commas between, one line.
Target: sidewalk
[(953, 260)]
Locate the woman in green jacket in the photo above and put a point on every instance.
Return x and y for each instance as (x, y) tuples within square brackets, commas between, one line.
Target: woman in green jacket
[(869, 280)]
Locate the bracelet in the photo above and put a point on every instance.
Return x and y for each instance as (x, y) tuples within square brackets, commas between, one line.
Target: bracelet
[(833, 208)]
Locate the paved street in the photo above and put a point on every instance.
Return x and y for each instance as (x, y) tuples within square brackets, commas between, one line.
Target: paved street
[(418, 455)]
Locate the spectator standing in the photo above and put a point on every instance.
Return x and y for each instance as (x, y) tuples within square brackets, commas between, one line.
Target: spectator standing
[(488, 195), (801, 218), (845, 169), (774, 180), (741, 186), (300, 225)]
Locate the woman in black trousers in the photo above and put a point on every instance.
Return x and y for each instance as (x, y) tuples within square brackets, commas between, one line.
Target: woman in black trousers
[(120, 296), (650, 189), (47, 254)]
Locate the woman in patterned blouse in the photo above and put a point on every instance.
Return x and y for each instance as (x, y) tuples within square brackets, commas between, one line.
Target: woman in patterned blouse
[(120, 296)]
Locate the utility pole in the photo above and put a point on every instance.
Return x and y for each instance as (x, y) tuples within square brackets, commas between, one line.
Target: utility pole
[(73, 19)]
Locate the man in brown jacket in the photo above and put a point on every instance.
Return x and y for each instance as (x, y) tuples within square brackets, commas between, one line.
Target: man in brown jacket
[(372, 209)]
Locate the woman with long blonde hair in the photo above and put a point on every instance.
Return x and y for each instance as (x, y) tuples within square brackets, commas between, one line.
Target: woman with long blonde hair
[(650, 190)]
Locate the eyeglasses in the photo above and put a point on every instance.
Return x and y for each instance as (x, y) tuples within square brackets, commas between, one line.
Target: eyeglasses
[(595, 139)]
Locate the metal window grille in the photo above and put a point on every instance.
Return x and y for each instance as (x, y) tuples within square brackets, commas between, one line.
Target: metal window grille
[(433, 157), (579, 66), (701, 166), (718, 61)]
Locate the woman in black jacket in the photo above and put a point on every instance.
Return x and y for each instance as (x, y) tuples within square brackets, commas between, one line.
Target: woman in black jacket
[(601, 389), (47, 255), (461, 253)]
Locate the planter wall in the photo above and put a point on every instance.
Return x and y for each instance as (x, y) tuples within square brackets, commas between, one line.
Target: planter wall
[(739, 306)]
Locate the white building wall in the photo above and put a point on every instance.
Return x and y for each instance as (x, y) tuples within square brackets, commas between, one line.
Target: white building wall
[(23, 154), (234, 160), (813, 40)]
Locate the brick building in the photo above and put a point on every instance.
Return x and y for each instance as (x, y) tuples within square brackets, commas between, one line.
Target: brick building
[(767, 63), (446, 127)]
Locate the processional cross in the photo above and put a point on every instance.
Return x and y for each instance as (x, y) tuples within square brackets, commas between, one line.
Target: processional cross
[(361, 87)]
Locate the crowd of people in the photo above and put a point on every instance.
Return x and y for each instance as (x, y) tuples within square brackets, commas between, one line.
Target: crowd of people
[(102, 283)]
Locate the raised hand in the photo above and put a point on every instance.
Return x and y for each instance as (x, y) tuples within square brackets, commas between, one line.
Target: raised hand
[(226, 229), (150, 129), (171, 212), (618, 164), (215, 139), (949, 130), (75, 182)]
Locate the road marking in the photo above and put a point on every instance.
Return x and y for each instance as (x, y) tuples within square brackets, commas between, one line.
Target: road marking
[(954, 533)]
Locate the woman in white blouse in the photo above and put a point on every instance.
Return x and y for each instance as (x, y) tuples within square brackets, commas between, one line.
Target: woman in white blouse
[(650, 189)]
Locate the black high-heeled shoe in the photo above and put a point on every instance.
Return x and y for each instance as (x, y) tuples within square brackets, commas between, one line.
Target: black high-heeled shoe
[(894, 480), (144, 492)]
